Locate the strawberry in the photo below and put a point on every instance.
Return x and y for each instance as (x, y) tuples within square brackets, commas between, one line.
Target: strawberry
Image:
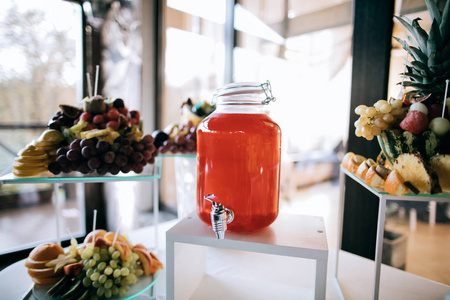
[(415, 122)]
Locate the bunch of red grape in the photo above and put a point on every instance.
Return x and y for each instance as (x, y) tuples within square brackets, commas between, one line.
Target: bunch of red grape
[(61, 119), (115, 115), (178, 139), (93, 155)]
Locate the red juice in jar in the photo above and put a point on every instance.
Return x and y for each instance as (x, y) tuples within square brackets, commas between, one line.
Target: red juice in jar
[(238, 160)]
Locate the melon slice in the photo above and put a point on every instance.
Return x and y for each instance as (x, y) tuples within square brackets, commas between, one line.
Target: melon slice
[(441, 165)]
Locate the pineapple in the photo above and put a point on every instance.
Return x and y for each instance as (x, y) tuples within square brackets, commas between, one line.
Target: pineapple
[(430, 53), (441, 165), (413, 169)]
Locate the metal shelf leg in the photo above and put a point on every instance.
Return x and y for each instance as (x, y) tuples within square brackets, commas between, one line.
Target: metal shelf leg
[(379, 245)]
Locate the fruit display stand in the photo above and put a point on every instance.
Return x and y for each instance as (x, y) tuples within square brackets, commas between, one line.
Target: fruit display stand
[(237, 266), (383, 198), (151, 173)]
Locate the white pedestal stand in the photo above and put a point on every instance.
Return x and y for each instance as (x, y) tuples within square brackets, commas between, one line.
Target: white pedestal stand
[(289, 236)]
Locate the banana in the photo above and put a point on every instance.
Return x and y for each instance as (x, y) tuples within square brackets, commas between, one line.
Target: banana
[(30, 161)]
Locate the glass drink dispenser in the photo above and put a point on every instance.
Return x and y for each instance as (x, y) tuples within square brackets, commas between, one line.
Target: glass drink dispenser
[(238, 160)]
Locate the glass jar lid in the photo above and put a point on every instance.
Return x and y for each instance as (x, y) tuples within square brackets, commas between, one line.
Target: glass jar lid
[(246, 91)]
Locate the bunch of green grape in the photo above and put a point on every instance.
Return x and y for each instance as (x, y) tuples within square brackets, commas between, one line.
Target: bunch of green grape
[(376, 118), (105, 272)]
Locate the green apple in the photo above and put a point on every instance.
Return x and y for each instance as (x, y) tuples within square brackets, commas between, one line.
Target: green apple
[(440, 126)]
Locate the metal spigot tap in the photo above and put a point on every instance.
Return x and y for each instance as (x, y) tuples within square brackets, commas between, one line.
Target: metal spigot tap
[(220, 216)]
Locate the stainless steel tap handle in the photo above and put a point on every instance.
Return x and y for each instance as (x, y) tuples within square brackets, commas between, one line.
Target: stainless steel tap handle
[(220, 216)]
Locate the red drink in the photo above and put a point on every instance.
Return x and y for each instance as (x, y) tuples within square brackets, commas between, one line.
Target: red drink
[(238, 160)]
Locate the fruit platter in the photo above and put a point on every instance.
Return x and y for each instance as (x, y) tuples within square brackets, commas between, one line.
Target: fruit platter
[(182, 138), (412, 129), (105, 266), (100, 137)]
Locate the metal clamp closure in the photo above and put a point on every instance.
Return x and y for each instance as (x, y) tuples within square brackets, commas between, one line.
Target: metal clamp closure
[(267, 88)]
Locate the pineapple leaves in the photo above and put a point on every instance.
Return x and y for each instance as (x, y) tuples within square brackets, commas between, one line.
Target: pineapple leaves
[(420, 66), (446, 67), (434, 42), (430, 51), (421, 35), (434, 63), (418, 55), (407, 25), (443, 27), (433, 10), (416, 77), (422, 89), (417, 85), (446, 51), (403, 43), (412, 41)]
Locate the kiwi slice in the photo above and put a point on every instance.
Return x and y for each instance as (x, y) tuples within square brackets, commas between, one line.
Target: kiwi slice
[(70, 111), (358, 159), (382, 171), (370, 162), (75, 291), (84, 296), (412, 187), (58, 288)]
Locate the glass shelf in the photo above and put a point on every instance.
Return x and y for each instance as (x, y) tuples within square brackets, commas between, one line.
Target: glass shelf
[(150, 172), (187, 155), (442, 197), (136, 290)]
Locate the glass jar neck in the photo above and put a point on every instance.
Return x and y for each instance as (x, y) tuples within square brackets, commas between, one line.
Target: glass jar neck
[(241, 108), (253, 98), (244, 93)]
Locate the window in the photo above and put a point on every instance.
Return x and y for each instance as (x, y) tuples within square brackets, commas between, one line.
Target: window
[(302, 47), (308, 64), (194, 62), (40, 68)]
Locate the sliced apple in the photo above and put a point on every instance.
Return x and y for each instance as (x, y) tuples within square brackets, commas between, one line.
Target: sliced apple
[(97, 233), (120, 237), (146, 260), (73, 270), (101, 241), (140, 246), (156, 264), (123, 249)]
